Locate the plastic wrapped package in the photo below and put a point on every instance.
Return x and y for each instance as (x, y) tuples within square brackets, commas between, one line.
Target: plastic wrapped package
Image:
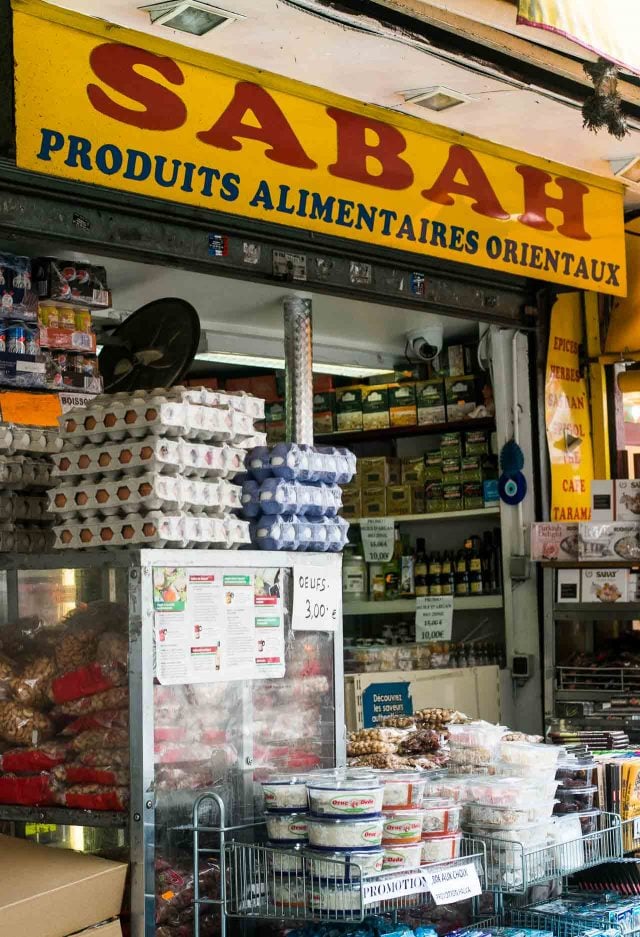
[(116, 698), (95, 797), (174, 890), (7, 675), (34, 760), (100, 740), (89, 680), (34, 790), (23, 725), (32, 685), (107, 775), (112, 646), (118, 757)]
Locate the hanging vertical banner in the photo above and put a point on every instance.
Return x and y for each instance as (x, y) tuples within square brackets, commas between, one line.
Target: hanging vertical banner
[(567, 415), (610, 29)]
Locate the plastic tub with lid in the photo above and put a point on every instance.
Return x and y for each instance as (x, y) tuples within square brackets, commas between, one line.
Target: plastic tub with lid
[(402, 788), (535, 773), (491, 816), (589, 821), (448, 787), (286, 827), (441, 815), (475, 735), (345, 796), (338, 900), (286, 859), (440, 847), (285, 792), (503, 840), (350, 865), (526, 753), (575, 799), (503, 791), (340, 834), (574, 771), (400, 858), (402, 827)]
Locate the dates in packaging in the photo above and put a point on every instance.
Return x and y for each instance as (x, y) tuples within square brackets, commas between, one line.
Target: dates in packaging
[(95, 797), (34, 760)]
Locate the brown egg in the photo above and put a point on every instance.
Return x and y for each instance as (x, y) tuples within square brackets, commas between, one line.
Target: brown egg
[(128, 532), (64, 464), (66, 536), (124, 493), (60, 500), (151, 414), (148, 529), (71, 426), (106, 533), (104, 459), (146, 452), (130, 416), (110, 420), (84, 462), (90, 423), (81, 498), (85, 535), (125, 456), (102, 496), (145, 489)]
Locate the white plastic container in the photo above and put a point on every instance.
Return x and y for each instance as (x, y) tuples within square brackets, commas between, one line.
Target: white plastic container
[(286, 860), (337, 900), (284, 792), (287, 892), (402, 827), (439, 847), (286, 827), (507, 791), (448, 788), (345, 834), (345, 797), (523, 753), (440, 815), (475, 734), (402, 789), (399, 858), (333, 864), (491, 816)]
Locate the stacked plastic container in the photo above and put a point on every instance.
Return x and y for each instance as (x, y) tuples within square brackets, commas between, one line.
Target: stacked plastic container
[(293, 495), (154, 468), (576, 791)]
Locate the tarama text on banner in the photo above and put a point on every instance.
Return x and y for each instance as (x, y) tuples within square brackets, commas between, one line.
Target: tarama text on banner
[(146, 116)]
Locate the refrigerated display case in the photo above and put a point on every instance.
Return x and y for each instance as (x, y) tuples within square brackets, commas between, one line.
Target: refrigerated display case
[(221, 689)]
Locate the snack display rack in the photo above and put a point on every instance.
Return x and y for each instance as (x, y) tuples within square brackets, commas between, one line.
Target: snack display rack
[(306, 703)]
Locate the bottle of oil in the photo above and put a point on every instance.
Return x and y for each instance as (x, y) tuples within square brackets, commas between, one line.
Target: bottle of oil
[(461, 573), (447, 578), (407, 571), (474, 565), (421, 568), (434, 574), (393, 569)]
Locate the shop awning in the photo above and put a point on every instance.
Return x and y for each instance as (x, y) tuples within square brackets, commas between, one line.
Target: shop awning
[(608, 29), (623, 335)]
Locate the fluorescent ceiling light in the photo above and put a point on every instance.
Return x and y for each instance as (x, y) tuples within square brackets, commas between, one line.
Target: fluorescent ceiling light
[(627, 168), (189, 16), (263, 361), (437, 98)]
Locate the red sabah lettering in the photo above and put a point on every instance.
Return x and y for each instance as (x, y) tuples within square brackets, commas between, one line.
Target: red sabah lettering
[(475, 186), (353, 151), (115, 65), (274, 130), (537, 201)]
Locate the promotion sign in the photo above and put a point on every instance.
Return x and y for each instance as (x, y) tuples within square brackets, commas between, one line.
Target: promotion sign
[(143, 115), (434, 618), (567, 414)]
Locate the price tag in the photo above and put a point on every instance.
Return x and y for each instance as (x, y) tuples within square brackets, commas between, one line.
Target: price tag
[(434, 618), (453, 883), (317, 593), (636, 828), (377, 539)]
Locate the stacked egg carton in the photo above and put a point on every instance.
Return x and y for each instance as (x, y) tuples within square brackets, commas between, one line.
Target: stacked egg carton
[(25, 476), (154, 468), (293, 496)]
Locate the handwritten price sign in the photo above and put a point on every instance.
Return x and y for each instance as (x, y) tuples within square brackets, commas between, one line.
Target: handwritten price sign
[(377, 539), (316, 598), (434, 618)]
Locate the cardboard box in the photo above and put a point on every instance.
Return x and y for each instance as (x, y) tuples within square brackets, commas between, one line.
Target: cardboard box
[(471, 468), (451, 445), (451, 472), (375, 407), (458, 360), (491, 494), (322, 383), (413, 471), (627, 500), (452, 497), (400, 499), (264, 385), (476, 442), (373, 502), (554, 541), (433, 466), (434, 498), (472, 495), (617, 540), (430, 402), (568, 585), (402, 405), (379, 470), (351, 503), (602, 500), (461, 397), (604, 585), (349, 409), (324, 412), (47, 892)]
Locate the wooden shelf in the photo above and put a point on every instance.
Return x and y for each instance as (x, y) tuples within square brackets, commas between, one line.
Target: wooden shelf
[(405, 606), (440, 516), (393, 432)]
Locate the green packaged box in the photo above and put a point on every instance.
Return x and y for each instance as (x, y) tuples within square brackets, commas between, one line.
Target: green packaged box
[(433, 466), (433, 497), (451, 445), (324, 412), (451, 471), (375, 407), (349, 409), (430, 402), (471, 469), (452, 497), (476, 442), (461, 395), (472, 495)]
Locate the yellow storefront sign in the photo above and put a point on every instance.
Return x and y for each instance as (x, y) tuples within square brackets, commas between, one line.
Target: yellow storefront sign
[(567, 414), (121, 110)]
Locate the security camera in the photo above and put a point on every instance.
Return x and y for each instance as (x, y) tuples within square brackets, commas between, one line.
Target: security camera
[(425, 344)]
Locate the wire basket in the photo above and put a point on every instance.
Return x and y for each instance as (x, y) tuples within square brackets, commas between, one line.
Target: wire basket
[(286, 884), (621, 919), (611, 679), (513, 867)]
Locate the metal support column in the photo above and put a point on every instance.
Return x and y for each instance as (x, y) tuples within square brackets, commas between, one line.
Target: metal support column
[(298, 357), (597, 387)]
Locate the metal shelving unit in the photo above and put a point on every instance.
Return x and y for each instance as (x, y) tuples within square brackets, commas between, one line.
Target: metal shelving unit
[(64, 816), (596, 611), (440, 516), (467, 603)]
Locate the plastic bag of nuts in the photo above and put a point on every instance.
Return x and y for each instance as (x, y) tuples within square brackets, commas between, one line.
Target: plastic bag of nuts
[(109, 775), (105, 719), (32, 686), (23, 725), (118, 757), (100, 740), (33, 760), (117, 698), (95, 797), (87, 681)]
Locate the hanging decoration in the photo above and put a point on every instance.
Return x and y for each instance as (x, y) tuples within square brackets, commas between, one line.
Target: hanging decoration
[(512, 485), (604, 107)]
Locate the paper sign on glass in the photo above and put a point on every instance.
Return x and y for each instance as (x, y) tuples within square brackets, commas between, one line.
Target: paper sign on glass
[(377, 538), (434, 618)]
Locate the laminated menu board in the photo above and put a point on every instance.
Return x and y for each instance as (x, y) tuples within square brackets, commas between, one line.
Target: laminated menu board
[(217, 624)]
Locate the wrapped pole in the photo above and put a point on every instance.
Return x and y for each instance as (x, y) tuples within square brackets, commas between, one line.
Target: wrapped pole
[(298, 357)]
